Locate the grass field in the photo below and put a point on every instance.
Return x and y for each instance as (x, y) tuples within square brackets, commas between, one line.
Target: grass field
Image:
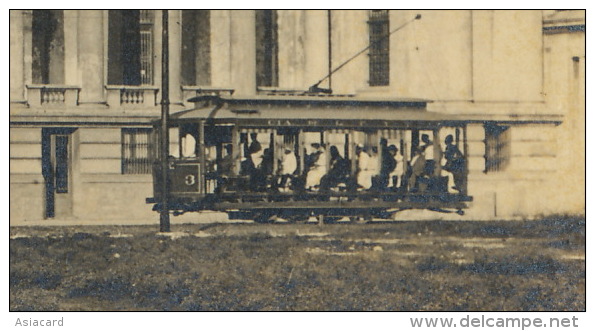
[(398, 266)]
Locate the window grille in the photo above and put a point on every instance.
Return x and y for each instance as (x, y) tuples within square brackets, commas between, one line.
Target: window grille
[(497, 147), (130, 47), (62, 161), (379, 48), (146, 46), (137, 151)]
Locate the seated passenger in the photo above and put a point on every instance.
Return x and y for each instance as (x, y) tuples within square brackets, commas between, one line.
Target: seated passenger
[(287, 167), (428, 151), (395, 178), (317, 167), (418, 166), (364, 175), (374, 167), (388, 165), (338, 172), (225, 167), (266, 166), (259, 180), (255, 150), (454, 164)]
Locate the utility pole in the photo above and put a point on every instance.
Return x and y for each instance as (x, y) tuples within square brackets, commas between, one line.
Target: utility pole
[(164, 136), (330, 49)]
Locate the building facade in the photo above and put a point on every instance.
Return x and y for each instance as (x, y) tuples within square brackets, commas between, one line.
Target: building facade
[(85, 87)]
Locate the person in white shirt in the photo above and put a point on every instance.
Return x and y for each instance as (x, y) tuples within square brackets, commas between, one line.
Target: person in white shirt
[(288, 166), (428, 151), (418, 164), (374, 168), (317, 169), (395, 178), (364, 175)]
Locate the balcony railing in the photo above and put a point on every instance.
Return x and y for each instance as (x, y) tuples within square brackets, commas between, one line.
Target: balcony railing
[(52, 95), (132, 96)]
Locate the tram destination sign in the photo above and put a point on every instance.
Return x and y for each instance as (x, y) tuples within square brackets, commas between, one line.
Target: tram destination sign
[(341, 123)]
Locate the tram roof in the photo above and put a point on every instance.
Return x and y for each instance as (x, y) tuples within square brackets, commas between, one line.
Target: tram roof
[(267, 109)]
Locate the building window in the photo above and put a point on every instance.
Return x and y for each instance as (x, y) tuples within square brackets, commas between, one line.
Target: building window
[(497, 144), (130, 47), (196, 48), (267, 48), (137, 148), (48, 46), (62, 164), (379, 48)]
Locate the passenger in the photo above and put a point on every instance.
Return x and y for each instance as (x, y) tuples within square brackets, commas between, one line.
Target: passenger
[(454, 164), (317, 167), (428, 151), (225, 169), (387, 166), (396, 176), (418, 165), (259, 179), (266, 166), (226, 164), (287, 167), (246, 167), (338, 172), (255, 150), (374, 167), (364, 175)]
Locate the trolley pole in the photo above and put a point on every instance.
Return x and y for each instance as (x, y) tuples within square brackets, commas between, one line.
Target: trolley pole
[(164, 136)]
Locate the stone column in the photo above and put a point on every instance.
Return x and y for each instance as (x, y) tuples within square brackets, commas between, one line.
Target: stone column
[(70, 47), (17, 74), (221, 48), (91, 45), (243, 52), (316, 46), (175, 57)]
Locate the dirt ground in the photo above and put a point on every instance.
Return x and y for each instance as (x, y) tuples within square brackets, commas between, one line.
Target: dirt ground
[(395, 266)]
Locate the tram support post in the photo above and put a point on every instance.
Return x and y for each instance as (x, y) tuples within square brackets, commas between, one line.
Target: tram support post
[(164, 225)]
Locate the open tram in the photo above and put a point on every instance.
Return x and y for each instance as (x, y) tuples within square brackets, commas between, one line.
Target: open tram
[(272, 158)]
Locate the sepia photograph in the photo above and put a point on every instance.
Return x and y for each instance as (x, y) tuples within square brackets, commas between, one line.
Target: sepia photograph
[(298, 160)]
